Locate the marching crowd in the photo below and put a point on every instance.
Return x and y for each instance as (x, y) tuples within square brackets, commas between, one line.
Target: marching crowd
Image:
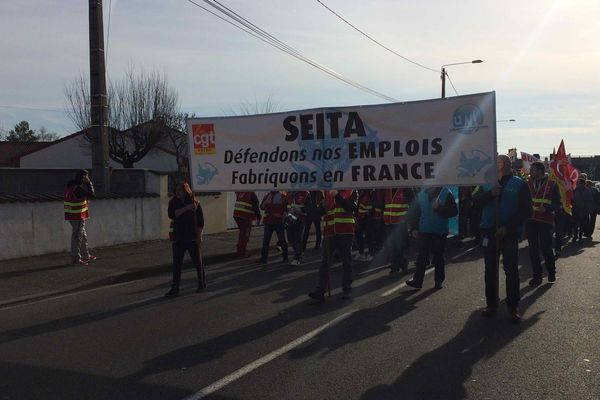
[(378, 225)]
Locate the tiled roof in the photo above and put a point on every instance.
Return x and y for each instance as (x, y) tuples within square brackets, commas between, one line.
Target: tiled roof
[(11, 151)]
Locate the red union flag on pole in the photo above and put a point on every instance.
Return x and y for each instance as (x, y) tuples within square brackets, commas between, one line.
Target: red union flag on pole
[(563, 173)]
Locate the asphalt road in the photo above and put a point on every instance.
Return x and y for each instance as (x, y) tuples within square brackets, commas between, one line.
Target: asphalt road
[(255, 335)]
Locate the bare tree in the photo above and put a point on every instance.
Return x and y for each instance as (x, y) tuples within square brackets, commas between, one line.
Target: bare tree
[(248, 107), (141, 107)]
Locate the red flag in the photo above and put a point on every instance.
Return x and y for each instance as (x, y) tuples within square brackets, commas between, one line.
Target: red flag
[(563, 173)]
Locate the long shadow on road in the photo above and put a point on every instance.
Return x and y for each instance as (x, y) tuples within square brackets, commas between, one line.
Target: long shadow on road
[(442, 373)]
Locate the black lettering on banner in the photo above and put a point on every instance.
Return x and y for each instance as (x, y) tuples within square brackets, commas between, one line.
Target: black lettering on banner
[(228, 157), (354, 125), (306, 127), (288, 125), (412, 147), (333, 118), (436, 146)]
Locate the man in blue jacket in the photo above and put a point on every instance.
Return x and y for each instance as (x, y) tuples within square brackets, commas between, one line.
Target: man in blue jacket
[(428, 218), (506, 207)]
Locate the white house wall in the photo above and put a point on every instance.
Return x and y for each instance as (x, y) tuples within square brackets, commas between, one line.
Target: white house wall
[(75, 153), (39, 228)]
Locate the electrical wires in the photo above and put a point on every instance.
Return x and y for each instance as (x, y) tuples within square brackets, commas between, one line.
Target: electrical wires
[(375, 41), (233, 18)]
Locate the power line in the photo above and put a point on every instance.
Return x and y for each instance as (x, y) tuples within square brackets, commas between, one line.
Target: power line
[(375, 41), (451, 84), (32, 108), (243, 24), (107, 35)]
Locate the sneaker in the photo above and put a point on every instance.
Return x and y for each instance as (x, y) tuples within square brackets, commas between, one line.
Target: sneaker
[(438, 286), (81, 262), (295, 263), (413, 284), (318, 295), (172, 293), (552, 277), (91, 258), (368, 258), (357, 257), (535, 281), (489, 311)]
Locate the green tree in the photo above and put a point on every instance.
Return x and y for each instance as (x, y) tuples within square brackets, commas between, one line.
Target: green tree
[(22, 133)]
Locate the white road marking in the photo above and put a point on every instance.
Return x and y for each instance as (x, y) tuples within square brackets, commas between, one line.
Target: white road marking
[(374, 269), (212, 388), (464, 252), (403, 284)]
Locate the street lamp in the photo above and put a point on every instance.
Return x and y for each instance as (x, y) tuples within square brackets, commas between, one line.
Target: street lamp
[(443, 76)]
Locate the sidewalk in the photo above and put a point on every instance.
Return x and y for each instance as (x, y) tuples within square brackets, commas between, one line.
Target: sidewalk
[(33, 278)]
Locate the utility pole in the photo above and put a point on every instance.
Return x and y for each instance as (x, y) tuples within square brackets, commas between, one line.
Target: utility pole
[(98, 103), (443, 83)]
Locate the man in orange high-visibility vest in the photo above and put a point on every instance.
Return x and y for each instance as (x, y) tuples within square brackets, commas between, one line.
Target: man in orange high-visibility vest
[(338, 234), (397, 202), (244, 212), (545, 202), (76, 203)]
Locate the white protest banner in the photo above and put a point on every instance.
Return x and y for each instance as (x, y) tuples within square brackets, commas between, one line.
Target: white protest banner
[(528, 159), (448, 141)]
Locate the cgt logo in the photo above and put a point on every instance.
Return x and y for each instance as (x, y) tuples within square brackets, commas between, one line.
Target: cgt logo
[(204, 139), (467, 119)]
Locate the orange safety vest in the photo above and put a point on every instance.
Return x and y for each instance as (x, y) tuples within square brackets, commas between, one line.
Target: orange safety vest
[(395, 207), (543, 196), (274, 213), (364, 205), (379, 196), (243, 206), (76, 209), (337, 220)]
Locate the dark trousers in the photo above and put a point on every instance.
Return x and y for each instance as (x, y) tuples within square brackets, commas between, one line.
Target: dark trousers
[(245, 227), (378, 233), (509, 248), (582, 224), (179, 249), (559, 231), (396, 243), (364, 231), (295, 231), (343, 245), (316, 221), (539, 237), (278, 229), (429, 243), (592, 225)]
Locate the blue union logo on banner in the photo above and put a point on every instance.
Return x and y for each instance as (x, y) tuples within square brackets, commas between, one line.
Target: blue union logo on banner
[(467, 119)]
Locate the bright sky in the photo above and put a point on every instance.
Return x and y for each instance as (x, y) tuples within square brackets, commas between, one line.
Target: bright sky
[(542, 58)]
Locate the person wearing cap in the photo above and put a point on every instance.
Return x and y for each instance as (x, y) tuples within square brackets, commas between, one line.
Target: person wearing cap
[(505, 208), (546, 201)]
